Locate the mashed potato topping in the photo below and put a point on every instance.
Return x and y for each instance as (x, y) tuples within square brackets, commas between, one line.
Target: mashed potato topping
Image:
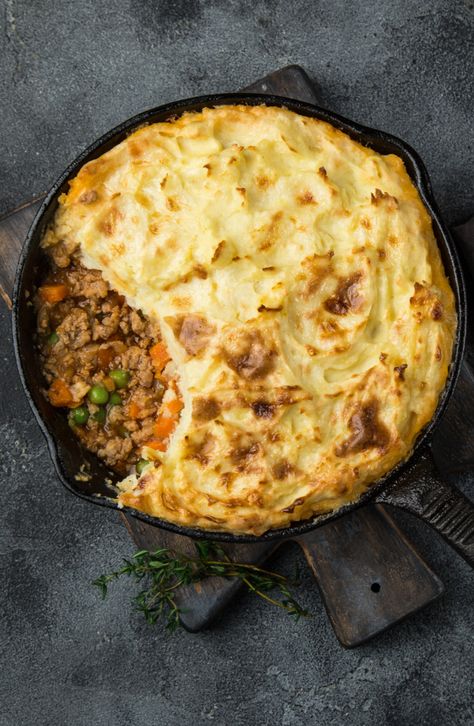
[(300, 293)]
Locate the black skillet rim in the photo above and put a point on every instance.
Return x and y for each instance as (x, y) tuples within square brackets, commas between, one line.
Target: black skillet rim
[(365, 135)]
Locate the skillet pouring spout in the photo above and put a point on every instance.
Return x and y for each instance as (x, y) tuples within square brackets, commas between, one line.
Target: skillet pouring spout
[(419, 490)]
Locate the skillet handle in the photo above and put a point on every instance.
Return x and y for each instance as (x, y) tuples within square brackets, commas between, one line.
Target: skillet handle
[(419, 490)]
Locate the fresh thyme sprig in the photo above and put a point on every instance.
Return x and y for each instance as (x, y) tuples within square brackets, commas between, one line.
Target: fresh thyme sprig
[(165, 571)]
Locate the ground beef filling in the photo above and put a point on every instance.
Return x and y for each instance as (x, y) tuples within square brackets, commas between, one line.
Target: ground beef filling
[(106, 364)]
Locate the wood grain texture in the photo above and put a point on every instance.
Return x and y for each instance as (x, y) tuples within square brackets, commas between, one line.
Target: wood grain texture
[(201, 602), (378, 551), (392, 581), (13, 229), (291, 82)]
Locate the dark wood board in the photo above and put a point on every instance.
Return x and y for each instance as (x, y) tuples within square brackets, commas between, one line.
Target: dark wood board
[(348, 556), (392, 581)]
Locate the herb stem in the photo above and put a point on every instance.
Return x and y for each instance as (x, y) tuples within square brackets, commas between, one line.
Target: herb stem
[(262, 595), (254, 568), (165, 571)]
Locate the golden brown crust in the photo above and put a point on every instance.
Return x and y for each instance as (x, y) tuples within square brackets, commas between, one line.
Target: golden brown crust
[(301, 294)]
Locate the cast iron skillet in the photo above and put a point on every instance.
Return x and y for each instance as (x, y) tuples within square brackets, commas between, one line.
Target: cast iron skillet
[(412, 484)]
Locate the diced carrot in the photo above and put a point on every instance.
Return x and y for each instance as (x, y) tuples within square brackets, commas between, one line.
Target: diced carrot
[(53, 293), (104, 357), (159, 356), (133, 409), (163, 426), (174, 387), (155, 444), (109, 384), (59, 394), (174, 406)]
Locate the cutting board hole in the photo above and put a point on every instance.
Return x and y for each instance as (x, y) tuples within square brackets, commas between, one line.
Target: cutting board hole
[(375, 587)]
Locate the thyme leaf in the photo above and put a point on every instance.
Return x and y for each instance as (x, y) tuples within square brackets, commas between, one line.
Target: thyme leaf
[(163, 572)]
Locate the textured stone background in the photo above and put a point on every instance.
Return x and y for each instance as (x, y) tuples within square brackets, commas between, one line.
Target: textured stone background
[(70, 71)]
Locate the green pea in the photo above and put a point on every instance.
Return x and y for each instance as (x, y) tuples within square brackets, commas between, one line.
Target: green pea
[(53, 338), (80, 415), (141, 465), (100, 416), (115, 399), (120, 377), (98, 395)]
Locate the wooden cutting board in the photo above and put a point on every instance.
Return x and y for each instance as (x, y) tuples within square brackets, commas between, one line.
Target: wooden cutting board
[(369, 574)]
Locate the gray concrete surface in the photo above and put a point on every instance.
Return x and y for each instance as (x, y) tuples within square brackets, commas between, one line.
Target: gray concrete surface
[(69, 71)]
